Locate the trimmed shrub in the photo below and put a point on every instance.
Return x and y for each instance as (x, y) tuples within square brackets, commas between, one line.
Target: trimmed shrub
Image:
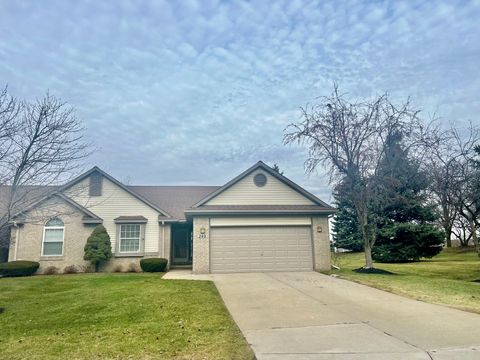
[(117, 268), (19, 268), (133, 268), (70, 269), (51, 270), (86, 269), (154, 264), (98, 248)]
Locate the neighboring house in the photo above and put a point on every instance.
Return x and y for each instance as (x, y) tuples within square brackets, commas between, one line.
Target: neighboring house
[(259, 221)]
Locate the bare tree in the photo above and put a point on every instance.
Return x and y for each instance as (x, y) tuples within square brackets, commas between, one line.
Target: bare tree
[(467, 192), (349, 139), (446, 165), (462, 231), (41, 144)]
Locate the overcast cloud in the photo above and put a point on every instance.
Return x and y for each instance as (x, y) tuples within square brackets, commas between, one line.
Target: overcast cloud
[(194, 92)]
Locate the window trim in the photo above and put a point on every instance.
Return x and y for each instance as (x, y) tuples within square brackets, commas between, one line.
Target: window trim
[(141, 242), (45, 227)]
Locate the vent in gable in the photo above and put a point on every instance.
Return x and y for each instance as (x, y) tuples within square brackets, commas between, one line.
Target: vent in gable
[(260, 180), (95, 188)]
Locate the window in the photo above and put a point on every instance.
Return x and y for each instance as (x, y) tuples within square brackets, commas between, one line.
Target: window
[(53, 236), (129, 238)]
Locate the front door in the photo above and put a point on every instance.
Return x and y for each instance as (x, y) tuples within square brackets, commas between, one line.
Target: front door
[(182, 244)]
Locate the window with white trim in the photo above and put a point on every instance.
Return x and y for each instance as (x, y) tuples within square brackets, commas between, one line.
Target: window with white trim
[(53, 238), (130, 238)]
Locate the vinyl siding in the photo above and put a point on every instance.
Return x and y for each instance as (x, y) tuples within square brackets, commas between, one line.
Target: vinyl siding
[(115, 202), (245, 192), (260, 221)]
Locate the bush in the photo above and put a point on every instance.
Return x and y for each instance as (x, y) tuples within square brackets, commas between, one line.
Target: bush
[(405, 242), (133, 268), (98, 248), (154, 264), (51, 270), (86, 269), (19, 268), (117, 268), (70, 269)]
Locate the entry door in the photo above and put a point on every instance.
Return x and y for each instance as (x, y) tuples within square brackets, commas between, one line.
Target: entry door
[(181, 244)]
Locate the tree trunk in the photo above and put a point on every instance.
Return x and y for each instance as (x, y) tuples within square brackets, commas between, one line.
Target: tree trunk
[(448, 235), (368, 256), (473, 228), (97, 266)]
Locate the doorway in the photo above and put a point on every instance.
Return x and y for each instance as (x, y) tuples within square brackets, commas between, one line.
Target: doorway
[(182, 244)]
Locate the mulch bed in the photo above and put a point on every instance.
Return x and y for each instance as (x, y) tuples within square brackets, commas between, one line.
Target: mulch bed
[(373, 271)]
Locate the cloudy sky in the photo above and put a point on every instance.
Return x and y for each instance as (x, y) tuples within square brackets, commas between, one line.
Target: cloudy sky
[(193, 92)]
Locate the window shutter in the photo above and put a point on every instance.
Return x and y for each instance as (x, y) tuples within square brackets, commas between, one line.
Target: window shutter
[(95, 184)]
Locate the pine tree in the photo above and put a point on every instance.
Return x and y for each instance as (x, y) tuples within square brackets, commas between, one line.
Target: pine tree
[(405, 221), (346, 233), (98, 247)]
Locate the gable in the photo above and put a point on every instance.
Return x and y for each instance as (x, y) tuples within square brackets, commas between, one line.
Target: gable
[(246, 192), (76, 188), (114, 199)]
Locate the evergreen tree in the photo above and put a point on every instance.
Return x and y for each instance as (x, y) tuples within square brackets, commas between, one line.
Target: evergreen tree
[(405, 221), (98, 247), (346, 232)]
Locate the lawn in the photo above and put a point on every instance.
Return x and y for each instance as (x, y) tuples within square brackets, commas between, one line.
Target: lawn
[(446, 279), (115, 316)]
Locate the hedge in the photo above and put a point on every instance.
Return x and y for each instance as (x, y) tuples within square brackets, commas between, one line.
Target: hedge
[(18, 268), (153, 264)]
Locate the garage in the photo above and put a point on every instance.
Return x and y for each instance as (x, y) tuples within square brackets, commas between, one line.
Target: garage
[(260, 248)]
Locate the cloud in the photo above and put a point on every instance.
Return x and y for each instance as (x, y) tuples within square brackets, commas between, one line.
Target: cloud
[(196, 91)]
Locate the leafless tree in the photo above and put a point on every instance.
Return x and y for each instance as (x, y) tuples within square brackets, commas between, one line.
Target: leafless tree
[(461, 230), (467, 192), (41, 144), (447, 164), (349, 139)]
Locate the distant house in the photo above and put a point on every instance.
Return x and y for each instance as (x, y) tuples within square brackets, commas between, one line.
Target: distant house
[(259, 221)]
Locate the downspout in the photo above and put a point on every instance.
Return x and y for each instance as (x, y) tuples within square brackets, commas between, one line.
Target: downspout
[(17, 239), (163, 238)]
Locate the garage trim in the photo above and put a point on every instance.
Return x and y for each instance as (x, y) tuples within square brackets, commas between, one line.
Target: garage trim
[(260, 266)]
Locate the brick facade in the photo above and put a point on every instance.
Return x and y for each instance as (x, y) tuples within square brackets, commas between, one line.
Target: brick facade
[(201, 245)]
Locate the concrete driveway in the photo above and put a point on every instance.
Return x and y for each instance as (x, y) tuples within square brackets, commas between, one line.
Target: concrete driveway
[(313, 316)]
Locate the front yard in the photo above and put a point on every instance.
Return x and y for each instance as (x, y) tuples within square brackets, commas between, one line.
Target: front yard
[(448, 278), (115, 316)]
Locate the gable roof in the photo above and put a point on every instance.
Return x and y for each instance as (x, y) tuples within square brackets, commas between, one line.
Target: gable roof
[(116, 182), (269, 170), (174, 199), (89, 216)]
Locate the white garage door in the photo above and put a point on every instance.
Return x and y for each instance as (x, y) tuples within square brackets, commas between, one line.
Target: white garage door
[(261, 248)]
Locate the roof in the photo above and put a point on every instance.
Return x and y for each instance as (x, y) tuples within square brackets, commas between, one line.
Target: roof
[(276, 174), (175, 202), (89, 217), (174, 199), (135, 219)]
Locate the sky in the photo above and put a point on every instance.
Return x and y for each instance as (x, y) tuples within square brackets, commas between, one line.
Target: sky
[(194, 92)]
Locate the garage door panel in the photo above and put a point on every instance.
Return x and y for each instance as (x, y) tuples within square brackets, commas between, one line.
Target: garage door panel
[(267, 248)]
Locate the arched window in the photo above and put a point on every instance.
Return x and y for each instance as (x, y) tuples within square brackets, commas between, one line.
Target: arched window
[(53, 236)]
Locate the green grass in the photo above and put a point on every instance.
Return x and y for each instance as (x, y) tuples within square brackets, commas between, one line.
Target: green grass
[(115, 316), (446, 279)]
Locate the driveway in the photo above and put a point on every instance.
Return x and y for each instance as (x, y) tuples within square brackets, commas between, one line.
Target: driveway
[(314, 316)]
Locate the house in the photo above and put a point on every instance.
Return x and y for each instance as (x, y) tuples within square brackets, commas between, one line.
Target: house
[(258, 221)]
